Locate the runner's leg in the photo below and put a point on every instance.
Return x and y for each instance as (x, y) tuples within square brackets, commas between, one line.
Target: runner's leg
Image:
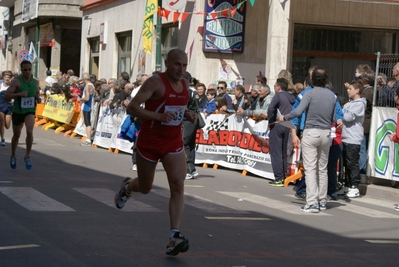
[(175, 167), (2, 124), (29, 123), (145, 173), (15, 138)]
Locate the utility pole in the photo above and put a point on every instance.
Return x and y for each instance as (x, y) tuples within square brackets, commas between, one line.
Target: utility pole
[(158, 55)]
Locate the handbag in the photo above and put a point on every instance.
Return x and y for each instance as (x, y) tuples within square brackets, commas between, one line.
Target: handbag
[(200, 116), (201, 119)]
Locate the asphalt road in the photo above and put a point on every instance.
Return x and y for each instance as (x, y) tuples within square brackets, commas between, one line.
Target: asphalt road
[(61, 213)]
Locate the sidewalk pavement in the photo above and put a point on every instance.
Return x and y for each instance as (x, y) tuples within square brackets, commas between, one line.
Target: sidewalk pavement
[(380, 188)]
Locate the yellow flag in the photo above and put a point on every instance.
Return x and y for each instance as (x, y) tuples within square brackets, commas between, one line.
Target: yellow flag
[(147, 33)]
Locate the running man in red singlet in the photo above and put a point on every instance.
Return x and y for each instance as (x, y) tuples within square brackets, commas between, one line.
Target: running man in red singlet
[(165, 96)]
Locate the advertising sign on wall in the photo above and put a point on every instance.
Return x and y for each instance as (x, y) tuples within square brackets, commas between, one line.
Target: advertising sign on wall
[(224, 26)]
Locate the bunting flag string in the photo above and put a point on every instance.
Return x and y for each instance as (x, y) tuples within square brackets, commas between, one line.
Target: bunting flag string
[(230, 12)]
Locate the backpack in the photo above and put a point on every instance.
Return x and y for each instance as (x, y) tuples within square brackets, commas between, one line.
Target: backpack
[(130, 129)]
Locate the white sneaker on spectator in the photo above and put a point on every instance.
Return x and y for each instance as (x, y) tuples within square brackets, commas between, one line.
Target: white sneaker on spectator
[(194, 173), (353, 192), (189, 176), (134, 168)]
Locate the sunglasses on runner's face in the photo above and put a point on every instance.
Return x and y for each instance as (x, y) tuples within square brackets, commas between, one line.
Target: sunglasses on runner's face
[(26, 69)]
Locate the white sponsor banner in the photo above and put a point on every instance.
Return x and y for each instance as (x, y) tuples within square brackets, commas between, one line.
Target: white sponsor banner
[(80, 127), (119, 142), (108, 124), (383, 154), (226, 141)]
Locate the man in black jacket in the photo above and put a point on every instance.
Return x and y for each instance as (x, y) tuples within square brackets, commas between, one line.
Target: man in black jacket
[(279, 135)]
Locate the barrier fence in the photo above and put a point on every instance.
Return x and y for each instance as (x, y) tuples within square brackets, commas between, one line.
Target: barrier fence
[(224, 141)]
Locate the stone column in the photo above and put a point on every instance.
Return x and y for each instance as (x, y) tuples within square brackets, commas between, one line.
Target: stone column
[(277, 39), (56, 49)]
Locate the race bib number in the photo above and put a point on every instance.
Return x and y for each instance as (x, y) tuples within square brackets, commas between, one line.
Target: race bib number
[(27, 102), (179, 115)]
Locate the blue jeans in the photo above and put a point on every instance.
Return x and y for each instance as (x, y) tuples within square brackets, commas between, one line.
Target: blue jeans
[(334, 155), (363, 160)]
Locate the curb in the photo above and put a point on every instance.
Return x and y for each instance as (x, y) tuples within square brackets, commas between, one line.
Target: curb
[(380, 188)]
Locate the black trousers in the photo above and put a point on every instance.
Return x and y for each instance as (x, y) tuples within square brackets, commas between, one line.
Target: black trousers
[(189, 133), (351, 154), (278, 143)]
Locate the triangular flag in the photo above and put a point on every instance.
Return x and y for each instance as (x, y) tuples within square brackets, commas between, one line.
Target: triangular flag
[(166, 14), (176, 16), (233, 11), (239, 5), (252, 2), (32, 53), (214, 15), (225, 13), (200, 30), (183, 17)]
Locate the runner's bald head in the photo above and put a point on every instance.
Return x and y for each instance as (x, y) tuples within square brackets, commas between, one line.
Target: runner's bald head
[(175, 52)]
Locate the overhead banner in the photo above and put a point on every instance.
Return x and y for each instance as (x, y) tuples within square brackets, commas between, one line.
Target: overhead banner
[(46, 35), (383, 154), (58, 109), (148, 26), (29, 10), (224, 26)]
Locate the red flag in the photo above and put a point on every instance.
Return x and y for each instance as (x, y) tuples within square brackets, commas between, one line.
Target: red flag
[(183, 17), (225, 13), (165, 13), (233, 11), (214, 15), (176, 16)]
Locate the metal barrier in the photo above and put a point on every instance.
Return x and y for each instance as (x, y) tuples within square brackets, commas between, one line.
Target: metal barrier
[(385, 83)]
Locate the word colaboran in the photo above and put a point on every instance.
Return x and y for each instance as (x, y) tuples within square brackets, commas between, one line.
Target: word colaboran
[(231, 138)]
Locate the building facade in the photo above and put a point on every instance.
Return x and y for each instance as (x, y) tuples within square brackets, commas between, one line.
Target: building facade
[(54, 27), (292, 35)]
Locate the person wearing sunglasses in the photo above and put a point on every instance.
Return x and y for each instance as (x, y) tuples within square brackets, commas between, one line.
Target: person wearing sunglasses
[(24, 89)]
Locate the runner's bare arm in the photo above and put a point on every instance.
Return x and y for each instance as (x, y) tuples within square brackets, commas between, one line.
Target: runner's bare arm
[(37, 97), (87, 94), (12, 93)]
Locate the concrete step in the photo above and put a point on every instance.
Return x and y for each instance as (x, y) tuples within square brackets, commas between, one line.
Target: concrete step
[(380, 188)]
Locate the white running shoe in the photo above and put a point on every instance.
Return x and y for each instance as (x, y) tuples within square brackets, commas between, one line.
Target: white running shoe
[(189, 176), (353, 192), (194, 174), (134, 168)]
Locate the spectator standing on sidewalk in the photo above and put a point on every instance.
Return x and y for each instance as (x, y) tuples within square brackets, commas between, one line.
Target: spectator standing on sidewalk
[(320, 105), (352, 136), (279, 134)]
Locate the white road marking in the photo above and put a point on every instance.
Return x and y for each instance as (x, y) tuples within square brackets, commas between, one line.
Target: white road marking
[(376, 241), (238, 218), (19, 247), (106, 196), (369, 212), (269, 203), (202, 203), (33, 200)]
